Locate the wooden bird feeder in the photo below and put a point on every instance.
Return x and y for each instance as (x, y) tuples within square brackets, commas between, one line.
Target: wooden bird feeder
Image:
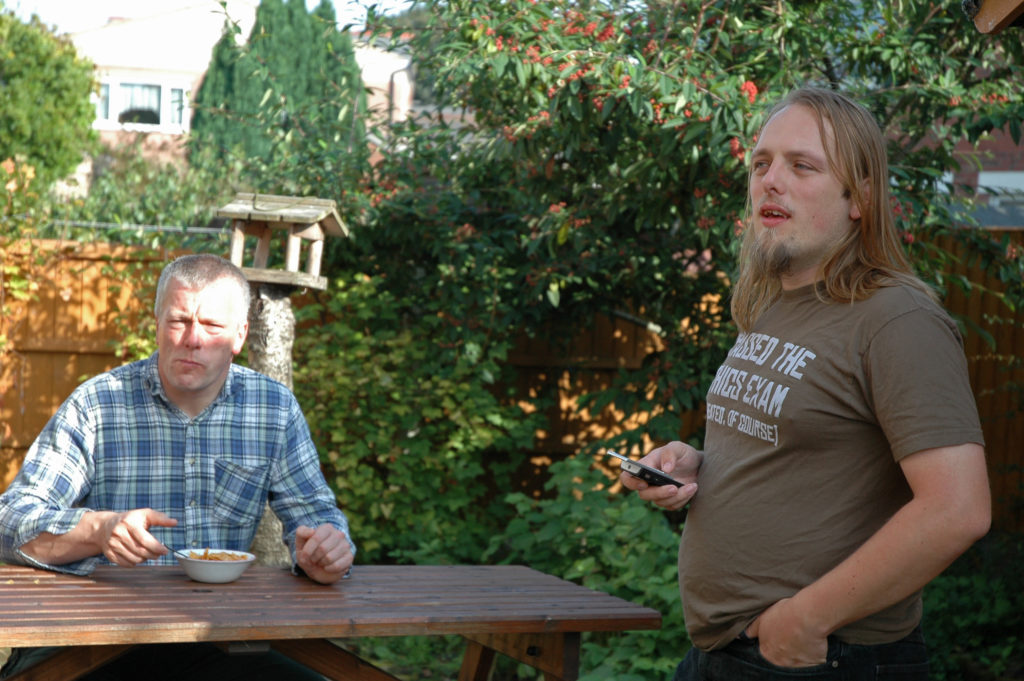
[(303, 222)]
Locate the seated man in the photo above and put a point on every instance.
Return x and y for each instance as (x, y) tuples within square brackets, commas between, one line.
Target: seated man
[(182, 450)]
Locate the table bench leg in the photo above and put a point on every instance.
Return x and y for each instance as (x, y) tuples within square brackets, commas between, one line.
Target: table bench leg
[(556, 655), (477, 663), (332, 661), (72, 662)]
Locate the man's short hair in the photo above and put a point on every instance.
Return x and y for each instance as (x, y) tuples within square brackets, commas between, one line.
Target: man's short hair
[(198, 271)]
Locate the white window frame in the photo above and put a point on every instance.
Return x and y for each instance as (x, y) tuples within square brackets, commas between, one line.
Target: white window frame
[(1004, 187), (116, 103)]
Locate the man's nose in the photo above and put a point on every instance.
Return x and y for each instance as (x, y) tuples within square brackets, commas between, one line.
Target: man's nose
[(772, 179), (193, 334)]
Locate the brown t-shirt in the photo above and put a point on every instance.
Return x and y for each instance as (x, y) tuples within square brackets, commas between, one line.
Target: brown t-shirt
[(807, 420)]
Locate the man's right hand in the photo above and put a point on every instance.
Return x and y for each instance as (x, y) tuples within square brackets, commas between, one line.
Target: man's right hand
[(679, 460), (123, 537)]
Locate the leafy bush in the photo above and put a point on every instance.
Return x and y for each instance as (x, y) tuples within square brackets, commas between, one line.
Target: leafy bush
[(45, 112), (609, 542), (136, 192), (414, 435), (974, 613)]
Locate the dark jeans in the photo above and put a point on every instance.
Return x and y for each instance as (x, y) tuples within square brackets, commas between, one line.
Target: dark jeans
[(741, 660), (191, 661)]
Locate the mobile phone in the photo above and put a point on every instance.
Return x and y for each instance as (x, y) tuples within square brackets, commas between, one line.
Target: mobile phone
[(652, 476)]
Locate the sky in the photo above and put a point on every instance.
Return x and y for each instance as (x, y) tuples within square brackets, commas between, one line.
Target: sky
[(69, 16)]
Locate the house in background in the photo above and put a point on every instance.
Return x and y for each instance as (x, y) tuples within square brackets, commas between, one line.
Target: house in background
[(996, 168), (996, 171), (149, 67)]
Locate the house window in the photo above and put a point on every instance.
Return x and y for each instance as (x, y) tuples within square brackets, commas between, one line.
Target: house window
[(103, 103), (139, 104), (177, 106), (151, 107)]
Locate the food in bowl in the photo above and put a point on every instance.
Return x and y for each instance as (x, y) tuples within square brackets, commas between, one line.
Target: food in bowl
[(215, 566), (207, 554)]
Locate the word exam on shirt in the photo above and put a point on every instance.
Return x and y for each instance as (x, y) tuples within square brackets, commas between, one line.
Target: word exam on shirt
[(763, 394), (756, 391)]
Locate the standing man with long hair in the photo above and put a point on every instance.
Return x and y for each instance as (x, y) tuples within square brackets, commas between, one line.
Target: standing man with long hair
[(843, 466)]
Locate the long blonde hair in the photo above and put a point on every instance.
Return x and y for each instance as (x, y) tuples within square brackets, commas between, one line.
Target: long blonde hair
[(871, 256)]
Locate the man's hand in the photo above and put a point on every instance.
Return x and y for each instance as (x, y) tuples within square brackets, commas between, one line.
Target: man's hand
[(324, 554), (785, 639), (679, 460), (123, 537)]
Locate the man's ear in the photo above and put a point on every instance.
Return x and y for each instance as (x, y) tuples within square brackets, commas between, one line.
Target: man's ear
[(864, 200), (243, 333)]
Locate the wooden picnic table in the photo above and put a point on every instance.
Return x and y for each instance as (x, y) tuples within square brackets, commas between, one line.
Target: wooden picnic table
[(514, 610)]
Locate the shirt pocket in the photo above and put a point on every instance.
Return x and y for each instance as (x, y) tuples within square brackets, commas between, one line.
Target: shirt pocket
[(240, 492)]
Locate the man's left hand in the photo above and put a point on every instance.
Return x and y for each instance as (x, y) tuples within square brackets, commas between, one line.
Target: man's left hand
[(784, 639), (324, 554)]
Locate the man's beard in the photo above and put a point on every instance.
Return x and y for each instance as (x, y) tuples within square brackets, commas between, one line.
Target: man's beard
[(769, 257)]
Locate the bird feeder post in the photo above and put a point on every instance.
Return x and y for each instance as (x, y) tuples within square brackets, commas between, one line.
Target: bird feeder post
[(300, 222)]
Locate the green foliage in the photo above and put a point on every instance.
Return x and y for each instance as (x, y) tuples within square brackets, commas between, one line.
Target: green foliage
[(45, 112), (974, 613), (413, 434), (288, 106), (19, 197), (602, 171), (608, 542), (129, 189)]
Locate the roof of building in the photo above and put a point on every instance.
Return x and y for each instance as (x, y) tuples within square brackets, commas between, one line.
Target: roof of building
[(174, 39)]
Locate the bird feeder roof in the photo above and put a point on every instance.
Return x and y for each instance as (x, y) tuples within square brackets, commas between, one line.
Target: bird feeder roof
[(279, 212)]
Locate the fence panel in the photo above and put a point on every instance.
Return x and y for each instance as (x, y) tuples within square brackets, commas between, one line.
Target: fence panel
[(997, 375), (63, 334)]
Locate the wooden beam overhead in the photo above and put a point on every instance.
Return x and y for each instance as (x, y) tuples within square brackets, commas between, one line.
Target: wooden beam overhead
[(995, 15)]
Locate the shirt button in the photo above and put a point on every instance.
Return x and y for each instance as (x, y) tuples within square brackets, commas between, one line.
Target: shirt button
[(192, 503)]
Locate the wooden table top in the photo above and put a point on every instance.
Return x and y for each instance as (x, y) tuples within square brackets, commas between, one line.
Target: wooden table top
[(161, 604)]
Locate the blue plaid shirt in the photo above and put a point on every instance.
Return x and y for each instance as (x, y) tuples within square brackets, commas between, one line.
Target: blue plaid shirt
[(119, 444)]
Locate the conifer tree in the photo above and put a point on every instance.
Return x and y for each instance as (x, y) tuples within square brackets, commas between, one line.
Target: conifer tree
[(211, 100), (295, 82)]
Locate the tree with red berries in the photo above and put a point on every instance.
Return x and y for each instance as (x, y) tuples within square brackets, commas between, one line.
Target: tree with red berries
[(589, 158)]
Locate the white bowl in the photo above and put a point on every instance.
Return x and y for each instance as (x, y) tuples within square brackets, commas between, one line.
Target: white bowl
[(214, 571)]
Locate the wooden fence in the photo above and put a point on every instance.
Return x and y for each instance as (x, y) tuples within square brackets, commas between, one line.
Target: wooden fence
[(997, 376), (63, 333), (66, 332)]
